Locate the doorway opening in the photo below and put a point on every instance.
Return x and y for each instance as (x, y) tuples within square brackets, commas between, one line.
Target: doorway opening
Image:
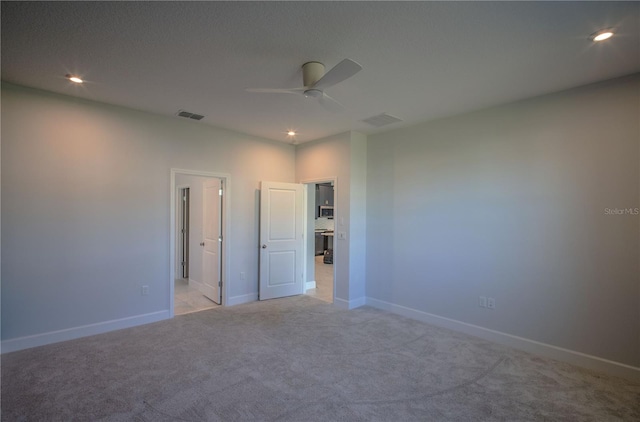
[(199, 255), (321, 268)]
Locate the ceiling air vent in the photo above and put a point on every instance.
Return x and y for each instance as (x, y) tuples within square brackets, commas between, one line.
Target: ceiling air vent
[(188, 115), (381, 120)]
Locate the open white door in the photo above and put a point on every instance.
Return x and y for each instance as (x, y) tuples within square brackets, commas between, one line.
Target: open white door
[(211, 223), (281, 231)]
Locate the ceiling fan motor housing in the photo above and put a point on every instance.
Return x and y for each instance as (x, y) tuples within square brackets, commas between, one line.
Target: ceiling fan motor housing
[(312, 72), (313, 93)]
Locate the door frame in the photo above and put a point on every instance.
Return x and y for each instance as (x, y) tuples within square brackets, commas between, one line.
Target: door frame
[(179, 217), (225, 230), (336, 215)]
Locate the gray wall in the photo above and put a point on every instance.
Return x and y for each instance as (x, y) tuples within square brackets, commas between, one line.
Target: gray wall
[(511, 203), (358, 216), (85, 207), (342, 156)]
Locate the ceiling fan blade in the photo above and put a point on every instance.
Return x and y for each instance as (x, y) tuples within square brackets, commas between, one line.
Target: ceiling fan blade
[(276, 90), (330, 104), (343, 70)]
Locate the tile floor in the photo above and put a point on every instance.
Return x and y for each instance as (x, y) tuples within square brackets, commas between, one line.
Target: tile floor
[(188, 299), (324, 281)]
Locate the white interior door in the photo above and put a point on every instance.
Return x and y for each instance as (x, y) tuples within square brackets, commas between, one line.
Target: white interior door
[(281, 249), (211, 227)]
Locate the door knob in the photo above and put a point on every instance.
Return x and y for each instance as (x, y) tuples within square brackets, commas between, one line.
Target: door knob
[(264, 246), (201, 243)]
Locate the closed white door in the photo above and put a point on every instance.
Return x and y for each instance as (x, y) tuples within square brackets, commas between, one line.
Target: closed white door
[(281, 249), (211, 224)]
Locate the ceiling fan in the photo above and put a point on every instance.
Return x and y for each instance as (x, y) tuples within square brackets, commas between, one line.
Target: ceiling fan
[(315, 81)]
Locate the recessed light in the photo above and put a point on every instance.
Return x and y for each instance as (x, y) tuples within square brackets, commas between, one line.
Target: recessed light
[(291, 133), (74, 78), (601, 35)]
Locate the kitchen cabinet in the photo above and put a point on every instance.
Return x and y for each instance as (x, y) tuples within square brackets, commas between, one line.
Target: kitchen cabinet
[(324, 196), (320, 239), (328, 253), (329, 242), (324, 241)]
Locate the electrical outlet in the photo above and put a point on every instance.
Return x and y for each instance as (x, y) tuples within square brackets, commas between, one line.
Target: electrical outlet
[(242, 276), (145, 290), (482, 301), (491, 303)]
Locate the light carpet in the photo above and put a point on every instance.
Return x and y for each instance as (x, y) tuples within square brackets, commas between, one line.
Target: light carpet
[(301, 359)]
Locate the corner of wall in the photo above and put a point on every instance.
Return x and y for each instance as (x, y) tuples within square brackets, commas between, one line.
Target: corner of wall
[(358, 216)]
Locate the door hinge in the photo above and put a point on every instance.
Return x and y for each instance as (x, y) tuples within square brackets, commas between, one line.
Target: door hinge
[(219, 283), (219, 238), (220, 192)]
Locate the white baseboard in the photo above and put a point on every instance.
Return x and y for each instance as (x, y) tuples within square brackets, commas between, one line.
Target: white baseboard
[(309, 285), (27, 342), (238, 300), (349, 304), (531, 346)]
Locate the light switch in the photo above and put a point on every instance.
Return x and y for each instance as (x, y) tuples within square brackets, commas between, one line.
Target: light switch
[(342, 235)]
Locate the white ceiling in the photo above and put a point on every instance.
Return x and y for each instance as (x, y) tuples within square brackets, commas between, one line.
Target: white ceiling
[(421, 60)]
